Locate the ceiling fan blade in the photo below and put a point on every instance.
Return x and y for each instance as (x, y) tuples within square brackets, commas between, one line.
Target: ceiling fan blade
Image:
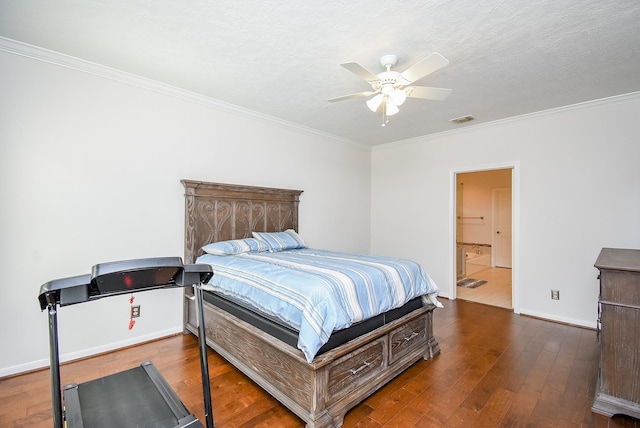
[(432, 63), (348, 97), (437, 94), (360, 71)]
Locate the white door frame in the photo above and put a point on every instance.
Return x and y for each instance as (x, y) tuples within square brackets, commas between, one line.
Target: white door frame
[(515, 225)]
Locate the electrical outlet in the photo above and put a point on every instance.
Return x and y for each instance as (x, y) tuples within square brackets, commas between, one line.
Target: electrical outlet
[(135, 311), (555, 294)]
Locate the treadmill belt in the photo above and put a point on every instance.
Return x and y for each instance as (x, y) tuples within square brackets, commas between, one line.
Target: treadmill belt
[(127, 399)]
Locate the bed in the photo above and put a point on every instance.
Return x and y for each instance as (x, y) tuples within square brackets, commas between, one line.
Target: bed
[(318, 386)]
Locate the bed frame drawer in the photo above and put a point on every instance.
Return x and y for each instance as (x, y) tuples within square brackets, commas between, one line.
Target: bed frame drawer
[(351, 371), (406, 338)]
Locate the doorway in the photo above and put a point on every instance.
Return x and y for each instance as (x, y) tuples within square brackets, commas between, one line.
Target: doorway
[(483, 236)]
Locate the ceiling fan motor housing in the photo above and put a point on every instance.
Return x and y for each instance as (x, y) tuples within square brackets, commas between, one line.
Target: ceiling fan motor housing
[(388, 79)]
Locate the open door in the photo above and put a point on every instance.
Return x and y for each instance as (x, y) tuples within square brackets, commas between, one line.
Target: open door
[(502, 228)]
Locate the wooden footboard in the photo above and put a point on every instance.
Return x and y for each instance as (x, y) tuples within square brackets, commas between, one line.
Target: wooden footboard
[(320, 392)]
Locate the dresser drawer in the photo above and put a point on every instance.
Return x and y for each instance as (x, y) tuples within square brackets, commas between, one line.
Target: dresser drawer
[(349, 372), (620, 287), (406, 338)]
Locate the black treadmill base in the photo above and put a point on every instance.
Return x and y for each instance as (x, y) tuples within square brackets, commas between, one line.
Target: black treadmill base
[(138, 397)]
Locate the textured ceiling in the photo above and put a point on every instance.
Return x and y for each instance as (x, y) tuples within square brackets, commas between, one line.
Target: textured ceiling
[(282, 57)]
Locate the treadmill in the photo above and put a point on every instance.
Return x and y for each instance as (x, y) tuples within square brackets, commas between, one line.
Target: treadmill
[(140, 396)]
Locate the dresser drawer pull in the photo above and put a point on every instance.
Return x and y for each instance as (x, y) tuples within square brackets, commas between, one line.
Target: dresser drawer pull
[(411, 336), (362, 367)]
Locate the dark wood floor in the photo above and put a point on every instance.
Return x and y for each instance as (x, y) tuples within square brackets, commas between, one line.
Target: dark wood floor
[(495, 369)]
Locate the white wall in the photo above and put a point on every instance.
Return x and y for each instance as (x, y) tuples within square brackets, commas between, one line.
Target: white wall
[(90, 170), (579, 190)]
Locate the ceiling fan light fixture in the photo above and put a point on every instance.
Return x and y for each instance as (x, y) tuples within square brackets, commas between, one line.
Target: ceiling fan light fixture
[(391, 108), (374, 103), (398, 96)]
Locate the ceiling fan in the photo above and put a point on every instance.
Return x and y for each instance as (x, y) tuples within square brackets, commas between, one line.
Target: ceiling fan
[(391, 88)]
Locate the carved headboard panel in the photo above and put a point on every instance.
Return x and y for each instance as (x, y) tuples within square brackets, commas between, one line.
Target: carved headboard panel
[(219, 212)]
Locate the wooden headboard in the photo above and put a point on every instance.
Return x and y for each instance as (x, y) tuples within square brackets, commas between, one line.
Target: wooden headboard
[(219, 212)]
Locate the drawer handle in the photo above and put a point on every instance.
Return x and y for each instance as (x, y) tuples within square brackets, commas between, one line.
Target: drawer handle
[(362, 367), (411, 336)]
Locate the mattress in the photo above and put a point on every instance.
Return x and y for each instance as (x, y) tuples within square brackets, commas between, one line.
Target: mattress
[(276, 329), (317, 292)]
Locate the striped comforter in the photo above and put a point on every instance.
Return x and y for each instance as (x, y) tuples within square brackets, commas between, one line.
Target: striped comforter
[(318, 291)]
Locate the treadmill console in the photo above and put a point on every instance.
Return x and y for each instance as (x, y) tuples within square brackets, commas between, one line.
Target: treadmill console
[(112, 278), (130, 275)]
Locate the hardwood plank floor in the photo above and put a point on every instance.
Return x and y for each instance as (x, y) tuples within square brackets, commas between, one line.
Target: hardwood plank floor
[(495, 369)]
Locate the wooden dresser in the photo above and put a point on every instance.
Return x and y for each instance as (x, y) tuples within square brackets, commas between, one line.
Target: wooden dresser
[(618, 385)]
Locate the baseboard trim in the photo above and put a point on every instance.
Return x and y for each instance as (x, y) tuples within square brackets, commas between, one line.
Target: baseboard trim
[(561, 320), (87, 353)]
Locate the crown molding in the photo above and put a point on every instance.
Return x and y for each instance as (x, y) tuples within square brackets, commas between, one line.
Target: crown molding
[(616, 99), (62, 60)]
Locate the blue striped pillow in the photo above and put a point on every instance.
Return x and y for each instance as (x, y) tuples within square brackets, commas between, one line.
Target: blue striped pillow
[(236, 246), (278, 241)]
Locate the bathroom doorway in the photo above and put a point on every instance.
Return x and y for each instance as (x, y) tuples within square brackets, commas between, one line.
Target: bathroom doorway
[(483, 237)]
